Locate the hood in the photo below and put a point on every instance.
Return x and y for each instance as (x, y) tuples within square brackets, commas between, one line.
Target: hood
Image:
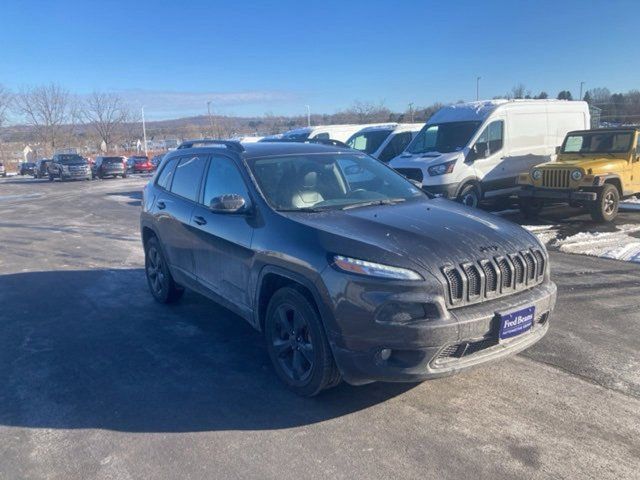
[(425, 233), (417, 160), (595, 162)]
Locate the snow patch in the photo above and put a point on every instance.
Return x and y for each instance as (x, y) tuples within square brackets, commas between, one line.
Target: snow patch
[(618, 245), (545, 233)]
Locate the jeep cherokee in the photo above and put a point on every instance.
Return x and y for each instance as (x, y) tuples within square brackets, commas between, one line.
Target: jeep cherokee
[(348, 269)]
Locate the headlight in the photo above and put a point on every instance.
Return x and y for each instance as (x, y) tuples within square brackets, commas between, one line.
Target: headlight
[(362, 267), (442, 168), (536, 174), (576, 175)]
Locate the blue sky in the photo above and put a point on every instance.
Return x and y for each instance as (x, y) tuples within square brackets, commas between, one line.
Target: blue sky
[(257, 57)]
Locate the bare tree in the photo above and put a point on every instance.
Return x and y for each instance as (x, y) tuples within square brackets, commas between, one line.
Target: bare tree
[(106, 113), (518, 91), (46, 109), (6, 99)]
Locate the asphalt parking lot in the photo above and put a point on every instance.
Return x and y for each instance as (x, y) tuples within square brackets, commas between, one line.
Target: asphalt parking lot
[(99, 381)]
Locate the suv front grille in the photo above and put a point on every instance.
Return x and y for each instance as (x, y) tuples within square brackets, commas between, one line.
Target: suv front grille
[(502, 275), (556, 178)]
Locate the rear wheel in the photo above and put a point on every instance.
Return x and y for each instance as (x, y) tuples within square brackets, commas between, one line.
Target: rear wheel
[(298, 345), (51, 177), (469, 196), (605, 208), (161, 283)]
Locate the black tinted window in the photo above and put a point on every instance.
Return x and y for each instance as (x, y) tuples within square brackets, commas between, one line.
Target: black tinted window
[(164, 179), (395, 147), (223, 178), (187, 176)]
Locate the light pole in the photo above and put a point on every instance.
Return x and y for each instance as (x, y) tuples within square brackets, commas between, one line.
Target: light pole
[(411, 111), (581, 85), (478, 88), (308, 115), (210, 118), (144, 133)]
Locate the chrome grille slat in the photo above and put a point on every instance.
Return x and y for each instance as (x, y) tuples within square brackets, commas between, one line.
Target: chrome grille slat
[(556, 178), (486, 278)]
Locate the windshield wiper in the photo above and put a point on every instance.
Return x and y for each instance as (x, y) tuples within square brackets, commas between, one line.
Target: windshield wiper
[(384, 201)]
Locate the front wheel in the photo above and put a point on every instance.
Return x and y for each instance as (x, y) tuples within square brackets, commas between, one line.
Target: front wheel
[(605, 208), (469, 196), (298, 345), (161, 283)]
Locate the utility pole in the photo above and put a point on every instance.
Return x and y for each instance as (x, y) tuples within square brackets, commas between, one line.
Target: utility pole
[(210, 119), (144, 134), (411, 111), (478, 88), (581, 85), (308, 115)]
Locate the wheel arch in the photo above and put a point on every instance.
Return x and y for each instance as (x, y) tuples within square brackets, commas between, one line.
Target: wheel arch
[(272, 279), (472, 180)]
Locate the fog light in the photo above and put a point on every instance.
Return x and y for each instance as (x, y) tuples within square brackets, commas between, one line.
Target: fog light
[(385, 353)]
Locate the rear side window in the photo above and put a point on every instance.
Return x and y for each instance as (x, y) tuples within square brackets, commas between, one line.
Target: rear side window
[(187, 177), (223, 178), (164, 179), (395, 147)]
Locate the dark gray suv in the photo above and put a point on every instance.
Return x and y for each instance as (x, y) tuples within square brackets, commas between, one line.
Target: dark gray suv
[(349, 270)]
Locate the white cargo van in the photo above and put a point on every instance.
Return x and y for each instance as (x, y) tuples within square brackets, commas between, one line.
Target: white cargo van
[(333, 132), (384, 142), (476, 150)]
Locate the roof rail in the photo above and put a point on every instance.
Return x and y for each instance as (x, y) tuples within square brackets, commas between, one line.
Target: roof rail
[(230, 144)]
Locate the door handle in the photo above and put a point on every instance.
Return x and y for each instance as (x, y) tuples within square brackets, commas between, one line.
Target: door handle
[(161, 205), (199, 220)]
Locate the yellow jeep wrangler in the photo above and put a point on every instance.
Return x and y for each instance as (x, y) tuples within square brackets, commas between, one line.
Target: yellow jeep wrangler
[(594, 169)]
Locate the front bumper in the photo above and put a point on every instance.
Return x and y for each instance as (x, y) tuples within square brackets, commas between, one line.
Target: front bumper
[(452, 341), (566, 195)]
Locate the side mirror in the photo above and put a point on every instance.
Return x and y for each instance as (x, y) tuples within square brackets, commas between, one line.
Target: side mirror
[(231, 203), (557, 150)]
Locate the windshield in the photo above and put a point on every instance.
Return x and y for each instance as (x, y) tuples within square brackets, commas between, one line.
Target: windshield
[(598, 142), (296, 135), (68, 159), (369, 141), (112, 160), (444, 137), (318, 182)]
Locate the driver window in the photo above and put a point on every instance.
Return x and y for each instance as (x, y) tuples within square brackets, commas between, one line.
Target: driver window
[(223, 178), (491, 139)]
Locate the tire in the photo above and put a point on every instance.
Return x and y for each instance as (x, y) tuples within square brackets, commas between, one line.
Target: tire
[(50, 177), (297, 344), (531, 208), (605, 208), (124, 175), (161, 284), (469, 196)]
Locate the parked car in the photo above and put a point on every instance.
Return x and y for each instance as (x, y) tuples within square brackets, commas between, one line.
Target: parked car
[(3, 170), (139, 164), (26, 168), (594, 170), (362, 281), (41, 169), (109, 167), (476, 150), (334, 132), (156, 160), (68, 166), (384, 142)]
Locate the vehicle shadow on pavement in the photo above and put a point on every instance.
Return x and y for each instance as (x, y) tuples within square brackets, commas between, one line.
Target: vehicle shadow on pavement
[(91, 349), (134, 195)]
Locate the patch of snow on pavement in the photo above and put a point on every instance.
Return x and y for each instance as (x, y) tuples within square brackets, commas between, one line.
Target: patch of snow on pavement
[(618, 245), (545, 233)]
